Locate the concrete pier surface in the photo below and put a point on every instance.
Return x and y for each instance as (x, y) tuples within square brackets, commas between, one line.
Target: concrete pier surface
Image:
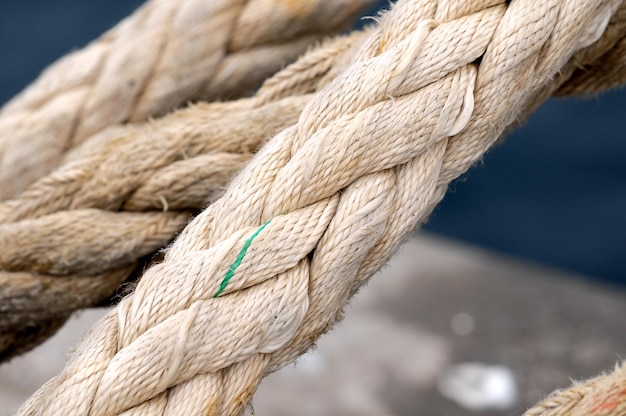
[(445, 329)]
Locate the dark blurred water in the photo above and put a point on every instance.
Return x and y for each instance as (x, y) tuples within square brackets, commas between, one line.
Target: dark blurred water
[(554, 191)]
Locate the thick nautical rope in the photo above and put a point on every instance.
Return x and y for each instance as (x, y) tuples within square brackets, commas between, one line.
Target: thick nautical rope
[(165, 54), (62, 250), (91, 222), (603, 68), (254, 280), (604, 395), (65, 241)]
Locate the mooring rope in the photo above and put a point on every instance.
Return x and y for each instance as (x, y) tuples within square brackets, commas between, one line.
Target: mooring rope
[(604, 395), (65, 242), (604, 67), (180, 162), (324, 204), (167, 53)]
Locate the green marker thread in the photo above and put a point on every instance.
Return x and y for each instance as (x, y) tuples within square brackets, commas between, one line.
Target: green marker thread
[(231, 270)]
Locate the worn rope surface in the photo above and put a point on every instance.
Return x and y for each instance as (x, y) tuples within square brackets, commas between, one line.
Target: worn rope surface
[(167, 53), (178, 163), (254, 280), (603, 68), (604, 395), (77, 228)]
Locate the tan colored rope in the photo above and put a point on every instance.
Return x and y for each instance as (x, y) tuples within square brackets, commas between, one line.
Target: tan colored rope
[(167, 53), (254, 280), (163, 166), (124, 170), (604, 395), (35, 306), (178, 163), (189, 183), (606, 68), (65, 234)]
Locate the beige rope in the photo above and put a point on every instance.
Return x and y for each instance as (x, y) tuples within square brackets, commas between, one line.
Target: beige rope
[(35, 306), (167, 53), (162, 166), (178, 163), (191, 182), (122, 171), (604, 395), (605, 69), (322, 207), (64, 235)]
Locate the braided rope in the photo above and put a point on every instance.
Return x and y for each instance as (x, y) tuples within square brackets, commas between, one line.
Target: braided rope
[(141, 179), (254, 280), (67, 235), (605, 68), (178, 163), (604, 395), (190, 182), (167, 53)]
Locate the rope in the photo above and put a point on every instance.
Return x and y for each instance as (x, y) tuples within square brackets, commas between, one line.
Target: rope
[(604, 395), (602, 71), (64, 242), (35, 306), (178, 163), (167, 53), (431, 89), (172, 164), (190, 183)]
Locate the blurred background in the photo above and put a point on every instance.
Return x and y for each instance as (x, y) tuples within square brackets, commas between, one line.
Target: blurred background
[(509, 294), (553, 192)]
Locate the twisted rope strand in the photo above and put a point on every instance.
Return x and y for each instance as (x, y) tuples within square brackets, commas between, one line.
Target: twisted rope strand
[(110, 175), (183, 184), (61, 227), (604, 395), (605, 69), (191, 182), (167, 53)]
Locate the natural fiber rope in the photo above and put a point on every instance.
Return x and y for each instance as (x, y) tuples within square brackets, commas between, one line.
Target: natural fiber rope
[(322, 207), (165, 54), (143, 180), (38, 305), (122, 172), (65, 232), (604, 395), (140, 182), (186, 183), (180, 162), (604, 69)]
